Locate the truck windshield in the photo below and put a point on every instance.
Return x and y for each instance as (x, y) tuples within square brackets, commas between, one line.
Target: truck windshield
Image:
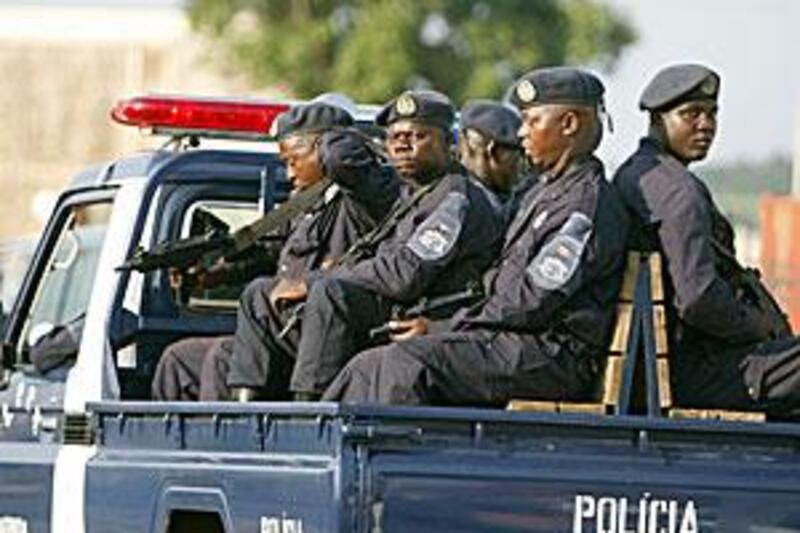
[(64, 290)]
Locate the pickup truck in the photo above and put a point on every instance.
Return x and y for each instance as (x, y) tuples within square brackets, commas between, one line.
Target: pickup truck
[(84, 449)]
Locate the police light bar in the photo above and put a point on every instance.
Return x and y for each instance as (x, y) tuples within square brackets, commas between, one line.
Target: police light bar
[(175, 115)]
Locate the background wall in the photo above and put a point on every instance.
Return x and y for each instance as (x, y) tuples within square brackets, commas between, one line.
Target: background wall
[(64, 67)]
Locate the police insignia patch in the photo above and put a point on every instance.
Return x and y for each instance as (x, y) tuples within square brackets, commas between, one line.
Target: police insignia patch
[(436, 236), (709, 86), (435, 240), (558, 260), (405, 105), (526, 92)]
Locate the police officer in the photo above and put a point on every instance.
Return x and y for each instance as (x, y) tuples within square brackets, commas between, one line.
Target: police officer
[(720, 341), (544, 323), (489, 148), (314, 143), (439, 237), (488, 145)]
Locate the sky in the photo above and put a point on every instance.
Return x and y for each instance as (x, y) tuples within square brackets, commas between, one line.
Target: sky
[(753, 44)]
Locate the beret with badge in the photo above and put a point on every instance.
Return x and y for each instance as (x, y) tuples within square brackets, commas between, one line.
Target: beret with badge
[(492, 119), (427, 107), (310, 118), (557, 85), (677, 84)]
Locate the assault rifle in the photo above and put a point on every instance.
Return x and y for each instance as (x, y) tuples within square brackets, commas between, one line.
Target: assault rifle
[(184, 253), (748, 281), (427, 306)]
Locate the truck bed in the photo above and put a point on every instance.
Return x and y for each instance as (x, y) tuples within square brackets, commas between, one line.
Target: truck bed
[(324, 467)]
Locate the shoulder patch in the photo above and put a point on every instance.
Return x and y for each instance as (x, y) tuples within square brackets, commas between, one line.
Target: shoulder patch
[(556, 263), (437, 234)]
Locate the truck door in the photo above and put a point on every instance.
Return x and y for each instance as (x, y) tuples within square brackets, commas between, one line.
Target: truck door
[(54, 295)]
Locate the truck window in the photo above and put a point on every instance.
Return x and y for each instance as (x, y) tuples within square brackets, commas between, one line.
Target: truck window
[(223, 216), (65, 287)]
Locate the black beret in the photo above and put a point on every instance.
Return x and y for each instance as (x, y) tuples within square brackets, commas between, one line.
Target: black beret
[(492, 119), (677, 84), (557, 85), (309, 118), (427, 107)]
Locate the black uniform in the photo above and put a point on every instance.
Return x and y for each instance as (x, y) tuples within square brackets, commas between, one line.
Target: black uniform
[(720, 354), (542, 328), (360, 194), (443, 243), (262, 358), (188, 370)]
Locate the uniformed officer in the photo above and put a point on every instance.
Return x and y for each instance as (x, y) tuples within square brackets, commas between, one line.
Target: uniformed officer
[(721, 356), (488, 145), (314, 143), (439, 237), (544, 324)]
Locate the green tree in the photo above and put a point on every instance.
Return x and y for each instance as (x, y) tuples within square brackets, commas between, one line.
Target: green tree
[(372, 49)]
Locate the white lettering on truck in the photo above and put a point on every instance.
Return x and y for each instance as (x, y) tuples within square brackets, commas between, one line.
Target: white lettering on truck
[(611, 514), (282, 524), (13, 524)]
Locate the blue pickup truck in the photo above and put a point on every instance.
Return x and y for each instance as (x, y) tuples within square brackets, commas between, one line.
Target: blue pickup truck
[(82, 448)]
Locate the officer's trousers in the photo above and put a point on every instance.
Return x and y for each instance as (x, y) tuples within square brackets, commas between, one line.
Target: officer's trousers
[(261, 358), (193, 369), (479, 368), (336, 325), (764, 377)]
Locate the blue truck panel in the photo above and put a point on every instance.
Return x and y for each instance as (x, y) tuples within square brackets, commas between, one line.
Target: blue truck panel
[(26, 481), (361, 468), (243, 488)]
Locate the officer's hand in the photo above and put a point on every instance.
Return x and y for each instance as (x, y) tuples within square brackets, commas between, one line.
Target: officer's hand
[(213, 276), (175, 278), (328, 263), (197, 277), (408, 329), (288, 290)]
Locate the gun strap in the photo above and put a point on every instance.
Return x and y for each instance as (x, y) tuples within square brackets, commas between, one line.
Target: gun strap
[(299, 203), (387, 225)]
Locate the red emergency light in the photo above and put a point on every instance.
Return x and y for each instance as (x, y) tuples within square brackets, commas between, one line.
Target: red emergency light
[(220, 117)]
